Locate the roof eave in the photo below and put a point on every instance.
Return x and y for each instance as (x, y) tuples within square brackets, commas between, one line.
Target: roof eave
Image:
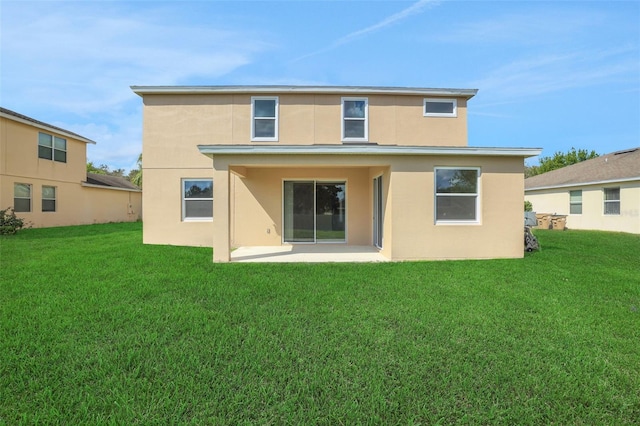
[(577, 184), (47, 127), (346, 90), (361, 149)]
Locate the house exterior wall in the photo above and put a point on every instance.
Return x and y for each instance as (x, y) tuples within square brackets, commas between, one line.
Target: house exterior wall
[(75, 204), (248, 189), (556, 201), (175, 124)]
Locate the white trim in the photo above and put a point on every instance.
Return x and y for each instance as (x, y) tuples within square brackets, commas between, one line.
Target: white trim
[(44, 126), (273, 138), (343, 119), (114, 188), (478, 219), (596, 182), (441, 101), (365, 149), (184, 207), (339, 90)]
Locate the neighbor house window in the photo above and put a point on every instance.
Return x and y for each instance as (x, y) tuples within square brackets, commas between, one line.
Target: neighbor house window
[(457, 192), (434, 107), (197, 199), (48, 198), (52, 148), (612, 201), (575, 202), (264, 113), (21, 197), (355, 116)]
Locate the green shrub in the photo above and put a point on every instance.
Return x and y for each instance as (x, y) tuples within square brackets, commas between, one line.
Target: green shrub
[(528, 207), (9, 222)]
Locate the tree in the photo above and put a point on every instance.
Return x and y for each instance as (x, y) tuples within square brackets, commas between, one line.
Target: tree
[(559, 160), (103, 169), (135, 175)]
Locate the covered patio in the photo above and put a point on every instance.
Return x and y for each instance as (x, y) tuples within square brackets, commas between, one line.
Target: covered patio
[(307, 253)]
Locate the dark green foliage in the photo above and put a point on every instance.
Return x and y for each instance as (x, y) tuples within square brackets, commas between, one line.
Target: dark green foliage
[(528, 207), (96, 328), (559, 160), (9, 222)]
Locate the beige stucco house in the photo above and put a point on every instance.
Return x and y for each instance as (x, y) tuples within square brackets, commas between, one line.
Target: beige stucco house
[(600, 194), (43, 177), (232, 166)]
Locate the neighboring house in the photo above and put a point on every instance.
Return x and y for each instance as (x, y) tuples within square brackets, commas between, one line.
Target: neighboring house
[(230, 166), (43, 176), (602, 193)]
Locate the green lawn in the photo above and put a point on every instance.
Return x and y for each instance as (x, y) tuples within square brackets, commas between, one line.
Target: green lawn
[(97, 328)]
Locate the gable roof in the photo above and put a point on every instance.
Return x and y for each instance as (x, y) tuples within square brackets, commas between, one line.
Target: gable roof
[(12, 115), (114, 182), (273, 90), (617, 166)]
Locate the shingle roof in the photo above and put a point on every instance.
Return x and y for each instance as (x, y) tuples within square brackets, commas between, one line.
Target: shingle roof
[(612, 167), (20, 117), (110, 181)]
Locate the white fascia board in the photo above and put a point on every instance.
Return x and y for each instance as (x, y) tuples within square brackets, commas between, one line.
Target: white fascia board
[(113, 188), (362, 149), (342, 90), (51, 129), (580, 184)]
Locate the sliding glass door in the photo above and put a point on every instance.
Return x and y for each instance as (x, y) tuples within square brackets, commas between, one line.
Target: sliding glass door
[(314, 211)]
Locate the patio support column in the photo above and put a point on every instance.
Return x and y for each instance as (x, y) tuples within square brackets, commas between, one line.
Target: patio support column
[(221, 216)]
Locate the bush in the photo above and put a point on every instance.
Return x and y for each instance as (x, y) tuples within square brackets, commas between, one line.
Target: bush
[(528, 207), (9, 222)]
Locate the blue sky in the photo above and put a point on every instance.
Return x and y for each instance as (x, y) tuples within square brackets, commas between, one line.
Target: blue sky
[(553, 75)]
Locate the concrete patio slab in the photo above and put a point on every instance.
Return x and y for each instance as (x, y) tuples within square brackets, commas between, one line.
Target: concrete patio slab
[(311, 253)]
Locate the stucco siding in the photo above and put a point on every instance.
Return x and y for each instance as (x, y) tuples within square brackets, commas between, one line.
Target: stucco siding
[(556, 201)]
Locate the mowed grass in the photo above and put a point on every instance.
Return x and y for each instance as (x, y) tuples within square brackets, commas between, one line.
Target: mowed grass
[(96, 328)]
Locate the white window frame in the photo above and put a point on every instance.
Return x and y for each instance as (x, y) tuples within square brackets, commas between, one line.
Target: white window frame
[(185, 200), (53, 148), (476, 194), (30, 197), (54, 199), (442, 101), (343, 119), (605, 202), (273, 138), (575, 203)]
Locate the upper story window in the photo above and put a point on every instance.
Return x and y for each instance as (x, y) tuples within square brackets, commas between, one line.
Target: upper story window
[(457, 194), (435, 107), (612, 201), (355, 119), (575, 202), (264, 118), (52, 147)]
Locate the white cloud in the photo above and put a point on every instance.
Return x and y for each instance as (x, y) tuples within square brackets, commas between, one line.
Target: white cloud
[(86, 61), (414, 9), (545, 73)]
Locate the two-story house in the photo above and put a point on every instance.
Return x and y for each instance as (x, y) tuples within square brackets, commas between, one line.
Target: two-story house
[(43, 176), (232, 166)]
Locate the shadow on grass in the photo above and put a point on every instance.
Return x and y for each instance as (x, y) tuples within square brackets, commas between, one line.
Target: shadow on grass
[(75, 231)]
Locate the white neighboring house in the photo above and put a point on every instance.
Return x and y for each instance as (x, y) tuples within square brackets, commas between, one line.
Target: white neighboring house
[(602, 193)]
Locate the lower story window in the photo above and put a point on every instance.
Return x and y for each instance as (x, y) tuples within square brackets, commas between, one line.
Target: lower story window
[(22, 197), (197, 199), (48, 198), (612, 201), (575, 202), (457, 191)]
